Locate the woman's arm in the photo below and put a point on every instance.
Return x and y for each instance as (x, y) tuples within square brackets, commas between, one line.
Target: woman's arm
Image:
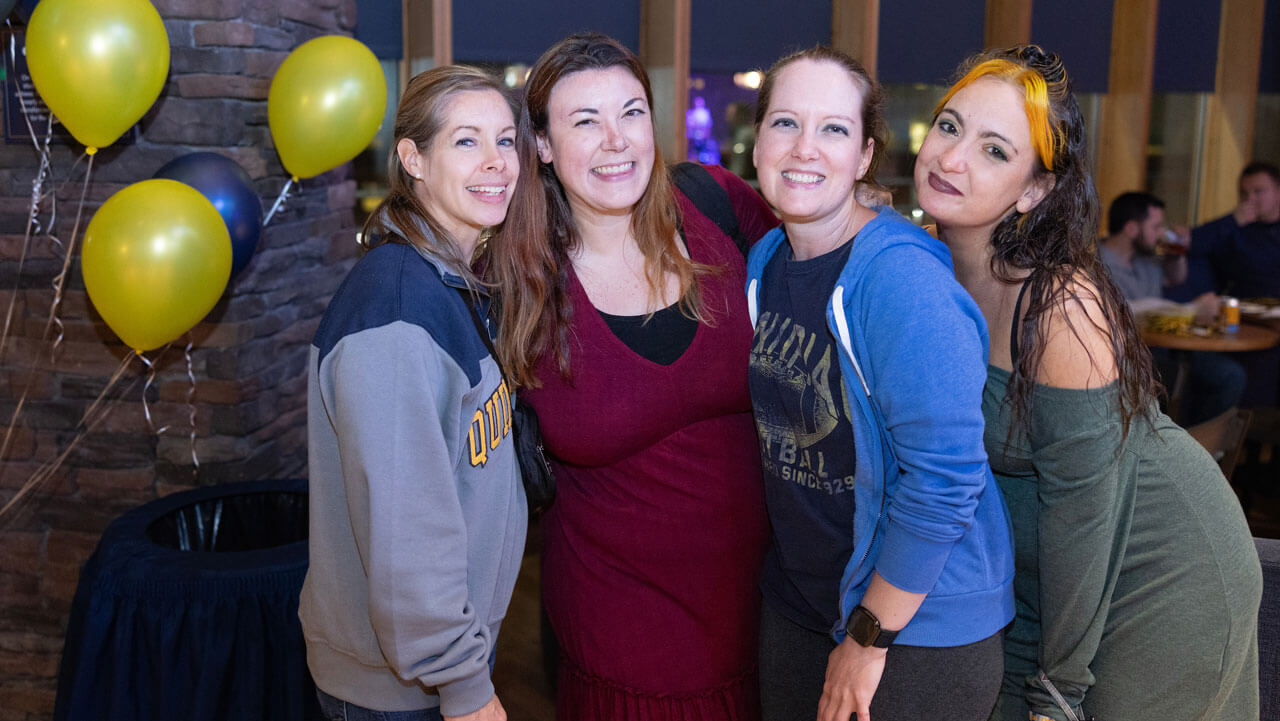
[(1075, 438), (926, 367)]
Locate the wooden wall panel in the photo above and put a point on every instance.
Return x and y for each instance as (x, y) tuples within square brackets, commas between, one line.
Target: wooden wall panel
[(664, 48), (1228, 142), (855, 29), (1126, 108)]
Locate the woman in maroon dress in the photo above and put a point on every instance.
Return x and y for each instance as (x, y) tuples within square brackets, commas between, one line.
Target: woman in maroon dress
[(626, 326)]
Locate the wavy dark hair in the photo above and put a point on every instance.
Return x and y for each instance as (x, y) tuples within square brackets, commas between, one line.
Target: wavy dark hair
[(873, 123), (529, 259), (420, 118), (1057, 240)]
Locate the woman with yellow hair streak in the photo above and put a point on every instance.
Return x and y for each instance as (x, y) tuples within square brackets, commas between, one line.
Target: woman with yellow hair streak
[(1137, 582)]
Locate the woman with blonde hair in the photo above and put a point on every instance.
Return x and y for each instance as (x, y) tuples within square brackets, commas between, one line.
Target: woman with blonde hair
[(417, 512), (1137, 580)]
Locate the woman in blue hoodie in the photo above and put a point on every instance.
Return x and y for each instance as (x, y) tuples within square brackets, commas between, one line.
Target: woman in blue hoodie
[(890, 575)]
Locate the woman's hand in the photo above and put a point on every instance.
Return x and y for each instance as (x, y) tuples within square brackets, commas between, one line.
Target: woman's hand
[(853, 674), (491, 711)]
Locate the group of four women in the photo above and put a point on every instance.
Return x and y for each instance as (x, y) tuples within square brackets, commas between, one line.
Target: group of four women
[(774, 504)]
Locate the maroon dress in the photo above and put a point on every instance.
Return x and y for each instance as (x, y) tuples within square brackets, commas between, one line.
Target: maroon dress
[(654, 544)]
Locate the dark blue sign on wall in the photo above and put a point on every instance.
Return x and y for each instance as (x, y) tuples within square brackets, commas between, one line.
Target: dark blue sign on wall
[(731, 36), (1187, 46), (378, 25), (1080, 33), (923, 41), (511, 31)]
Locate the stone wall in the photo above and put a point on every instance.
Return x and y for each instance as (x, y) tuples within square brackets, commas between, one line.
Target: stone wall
[(249, 355)]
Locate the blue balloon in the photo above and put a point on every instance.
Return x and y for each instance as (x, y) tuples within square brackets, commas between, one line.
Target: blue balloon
[(228, 187)]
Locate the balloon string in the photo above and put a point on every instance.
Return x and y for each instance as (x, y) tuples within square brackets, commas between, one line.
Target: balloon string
[(284, 193), (33, 228), (191, 407), (146, 406), (93, 415), (60, 280), (37, 188)]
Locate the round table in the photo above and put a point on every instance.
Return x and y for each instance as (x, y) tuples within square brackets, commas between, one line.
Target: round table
[(1250, 337)]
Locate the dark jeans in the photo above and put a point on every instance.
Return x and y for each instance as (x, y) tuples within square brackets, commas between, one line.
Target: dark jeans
[(958, 683), (1215, 384), (335, 709)]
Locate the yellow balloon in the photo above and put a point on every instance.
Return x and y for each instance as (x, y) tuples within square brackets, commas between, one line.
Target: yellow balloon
[(325, 104), (156, 258), (98, 64)]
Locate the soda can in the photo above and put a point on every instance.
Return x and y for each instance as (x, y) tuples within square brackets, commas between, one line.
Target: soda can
[(1230, 314)]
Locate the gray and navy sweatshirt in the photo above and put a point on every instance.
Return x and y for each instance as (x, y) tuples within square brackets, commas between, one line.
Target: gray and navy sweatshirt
[(417, 512)]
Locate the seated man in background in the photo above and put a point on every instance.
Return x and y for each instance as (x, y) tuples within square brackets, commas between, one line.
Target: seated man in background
[(1136, 227), (1239, 254)]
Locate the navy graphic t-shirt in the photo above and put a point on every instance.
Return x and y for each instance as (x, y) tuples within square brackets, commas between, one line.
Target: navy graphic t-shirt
[(806, 438)]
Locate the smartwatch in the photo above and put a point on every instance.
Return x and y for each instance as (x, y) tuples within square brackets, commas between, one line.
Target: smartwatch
[(864, 629)]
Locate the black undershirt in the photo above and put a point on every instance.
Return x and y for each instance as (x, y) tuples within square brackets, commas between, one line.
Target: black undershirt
[(662, 340)]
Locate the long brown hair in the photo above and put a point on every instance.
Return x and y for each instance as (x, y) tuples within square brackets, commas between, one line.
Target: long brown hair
[(400, 216), (528, 260), (1056, 240)]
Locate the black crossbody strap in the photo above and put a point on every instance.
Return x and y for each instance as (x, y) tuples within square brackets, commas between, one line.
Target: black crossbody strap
[(710, 199), (481, 329)]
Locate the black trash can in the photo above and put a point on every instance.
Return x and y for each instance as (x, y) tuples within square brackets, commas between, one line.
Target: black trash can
[(188, 609)]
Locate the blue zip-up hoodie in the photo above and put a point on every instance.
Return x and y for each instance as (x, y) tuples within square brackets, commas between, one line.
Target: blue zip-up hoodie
[(929, 517)]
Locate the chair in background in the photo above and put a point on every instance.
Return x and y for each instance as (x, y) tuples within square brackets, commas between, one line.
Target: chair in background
[(1223, 436)]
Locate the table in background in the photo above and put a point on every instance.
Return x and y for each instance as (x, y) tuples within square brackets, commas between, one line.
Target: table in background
[(1250, 337)]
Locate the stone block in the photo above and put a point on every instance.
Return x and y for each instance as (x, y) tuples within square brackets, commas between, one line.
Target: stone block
[(223, 86), (71, 548), (22, 442), (223, 60), (249, 158), (213, 391), (23, 552), (232, 33), (90, 358), (114, 450), (29, 653), (130, 168), (197, 121), (308, 12), (97, 485), (179, 32), (347, 15), (221, 335), (264, 63), (200, 9), (273, 39)]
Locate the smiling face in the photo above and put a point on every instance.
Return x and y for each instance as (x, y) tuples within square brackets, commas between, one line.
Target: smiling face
[(811, 148), (465, 177), (977, 164), (599, 140)]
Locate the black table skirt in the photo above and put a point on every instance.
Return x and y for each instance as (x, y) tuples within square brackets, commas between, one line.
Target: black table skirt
[(161, 633)]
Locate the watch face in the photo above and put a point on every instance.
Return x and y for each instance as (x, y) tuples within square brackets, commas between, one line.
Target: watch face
[(864, 627)]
